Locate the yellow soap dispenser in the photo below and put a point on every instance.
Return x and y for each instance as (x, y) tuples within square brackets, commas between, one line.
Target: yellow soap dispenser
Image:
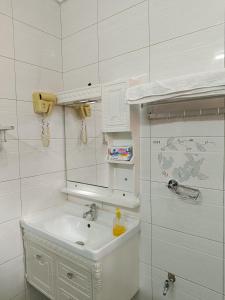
[(118, 223)]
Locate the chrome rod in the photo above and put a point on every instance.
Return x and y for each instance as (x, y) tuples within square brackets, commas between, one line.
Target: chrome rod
[(182, 190)]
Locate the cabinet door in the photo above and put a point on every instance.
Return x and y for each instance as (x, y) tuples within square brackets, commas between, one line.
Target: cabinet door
[(40, 269), (116, 111)]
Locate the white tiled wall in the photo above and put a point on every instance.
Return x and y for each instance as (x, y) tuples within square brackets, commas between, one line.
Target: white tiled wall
[(162, 39), (30, 176)]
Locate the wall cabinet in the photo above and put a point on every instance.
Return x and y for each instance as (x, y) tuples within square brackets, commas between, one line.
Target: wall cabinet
[(116, 111)]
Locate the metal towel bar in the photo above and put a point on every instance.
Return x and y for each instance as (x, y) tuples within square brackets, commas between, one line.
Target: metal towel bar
[(184, 191)]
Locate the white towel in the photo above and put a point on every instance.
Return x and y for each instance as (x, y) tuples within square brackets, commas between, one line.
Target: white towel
[(190, 86)]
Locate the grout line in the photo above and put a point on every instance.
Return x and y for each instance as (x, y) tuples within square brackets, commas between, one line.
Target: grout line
[(12, 259), (107, 59), (11, 220), (187, 233), (121, 11), (29, 63), (37, 28), (17, 113), (186, 34), (102, 20), (78, 31)]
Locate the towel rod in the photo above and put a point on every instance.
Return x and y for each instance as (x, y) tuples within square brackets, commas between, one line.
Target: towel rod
[(182, 190), (186, 113)]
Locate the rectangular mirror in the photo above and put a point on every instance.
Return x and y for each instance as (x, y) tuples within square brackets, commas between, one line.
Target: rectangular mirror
[(86, 147)]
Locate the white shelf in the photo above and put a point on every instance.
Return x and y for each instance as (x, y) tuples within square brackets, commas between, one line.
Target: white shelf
[(105, 195), (121, 162), (78, 95)]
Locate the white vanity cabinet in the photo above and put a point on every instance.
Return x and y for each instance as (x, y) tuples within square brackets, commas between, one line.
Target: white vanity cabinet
[(116, 110), (40, 268), (61, 274)]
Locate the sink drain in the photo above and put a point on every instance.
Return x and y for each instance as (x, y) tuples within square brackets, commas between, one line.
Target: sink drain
[(80, 243)]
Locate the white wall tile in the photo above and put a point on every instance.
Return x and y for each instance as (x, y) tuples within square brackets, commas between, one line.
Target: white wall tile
[(125, 66), (42, 14), (170, 19), (31, 78), (197, 52), (145, 245), (36, 47), (36, 193), (7, 76), (124, 32), (12, 278), (8, 117), (80, 49), (196, 259), (202, 217), (5, 7), (191, 161), (145, 208), (182, 289), (108, 8), (6, 36), (29, 123), (11, 241), (81, 77), (9, 160), (145, 158), (77, 15), (36, 159), (10, 200)]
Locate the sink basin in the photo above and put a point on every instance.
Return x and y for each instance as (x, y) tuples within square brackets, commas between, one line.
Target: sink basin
[(65, 226)]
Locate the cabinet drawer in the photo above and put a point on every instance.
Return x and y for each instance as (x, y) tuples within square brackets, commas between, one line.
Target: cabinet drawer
[(40, 267), (67, 292), (75, 276)]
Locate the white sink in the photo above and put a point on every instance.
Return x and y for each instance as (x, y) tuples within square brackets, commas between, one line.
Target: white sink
[(65, 226)]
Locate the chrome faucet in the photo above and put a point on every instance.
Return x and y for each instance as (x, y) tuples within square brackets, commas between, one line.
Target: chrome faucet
[(92, 213), (168, 282), (166, 287)]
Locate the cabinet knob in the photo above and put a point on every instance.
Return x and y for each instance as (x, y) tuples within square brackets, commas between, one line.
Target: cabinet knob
[(38, 256), (69, 275)]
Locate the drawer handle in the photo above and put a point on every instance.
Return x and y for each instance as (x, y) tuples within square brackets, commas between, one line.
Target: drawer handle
[(70, 275), (38, 256)]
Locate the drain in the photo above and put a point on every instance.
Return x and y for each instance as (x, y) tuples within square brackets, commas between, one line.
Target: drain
[(80, 243)]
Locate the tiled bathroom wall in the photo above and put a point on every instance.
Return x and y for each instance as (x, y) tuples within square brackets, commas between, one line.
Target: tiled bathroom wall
[(30, 175), (105, 40)]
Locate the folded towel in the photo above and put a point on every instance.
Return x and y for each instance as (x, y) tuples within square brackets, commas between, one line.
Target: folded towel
[(190, 86)]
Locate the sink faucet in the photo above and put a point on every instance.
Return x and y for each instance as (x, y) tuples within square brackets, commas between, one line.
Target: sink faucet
[(92, 213)]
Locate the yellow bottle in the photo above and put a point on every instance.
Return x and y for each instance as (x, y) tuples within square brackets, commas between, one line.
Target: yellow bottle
[(118, 224)]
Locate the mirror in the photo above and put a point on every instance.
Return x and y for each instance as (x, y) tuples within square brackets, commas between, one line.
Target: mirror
[(86, 147)]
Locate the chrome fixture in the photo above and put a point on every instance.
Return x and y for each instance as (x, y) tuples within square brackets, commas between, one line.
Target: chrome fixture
[(92, 213), (182, 190), (166, 287), (186, 113), (168, 282)]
